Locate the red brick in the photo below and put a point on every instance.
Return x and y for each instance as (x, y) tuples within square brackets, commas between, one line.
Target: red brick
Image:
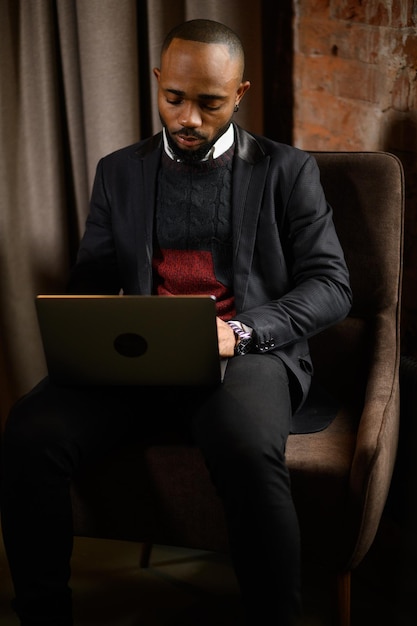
[(349, 10), (316, 72), (316, 8), (360, 42), (402, 13), (395, 13), (366, 12), (401, 96), (325, 122), (407, 47), (360, 81), (314, 36)]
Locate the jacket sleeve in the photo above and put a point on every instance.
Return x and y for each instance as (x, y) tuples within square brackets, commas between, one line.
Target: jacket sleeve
[(317, 293), (96, 269)]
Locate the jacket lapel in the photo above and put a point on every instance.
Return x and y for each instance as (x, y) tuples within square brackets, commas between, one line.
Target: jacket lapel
[(249, 175), (144, 173)]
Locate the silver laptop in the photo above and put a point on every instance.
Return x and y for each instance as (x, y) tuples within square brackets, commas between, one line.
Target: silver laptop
[(130, 340)]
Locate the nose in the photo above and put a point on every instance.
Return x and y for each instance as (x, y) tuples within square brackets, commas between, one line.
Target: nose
[(189, 116)]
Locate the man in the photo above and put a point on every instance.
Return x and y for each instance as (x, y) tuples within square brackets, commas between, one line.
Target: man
[(202, 207)]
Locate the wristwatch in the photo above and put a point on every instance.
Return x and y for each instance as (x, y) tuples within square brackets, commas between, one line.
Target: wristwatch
[(243, 346), (244, 337)]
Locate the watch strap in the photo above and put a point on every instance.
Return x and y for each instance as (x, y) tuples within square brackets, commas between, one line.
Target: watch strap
[(244, 343)]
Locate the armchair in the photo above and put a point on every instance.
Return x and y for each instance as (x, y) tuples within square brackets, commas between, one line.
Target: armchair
[(161, 493)]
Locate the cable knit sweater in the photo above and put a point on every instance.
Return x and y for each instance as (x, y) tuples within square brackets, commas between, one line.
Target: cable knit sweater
[(193, 230)]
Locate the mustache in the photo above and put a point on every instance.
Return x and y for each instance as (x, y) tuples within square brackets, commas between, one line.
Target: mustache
[(187, 132)]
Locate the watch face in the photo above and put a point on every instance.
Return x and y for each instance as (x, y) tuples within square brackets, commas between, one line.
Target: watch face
[(243, 347)]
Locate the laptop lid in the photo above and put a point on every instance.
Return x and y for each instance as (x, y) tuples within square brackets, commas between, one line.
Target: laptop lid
[(129, 340)]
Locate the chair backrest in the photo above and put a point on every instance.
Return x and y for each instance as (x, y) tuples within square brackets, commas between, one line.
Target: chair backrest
[(366, 192)]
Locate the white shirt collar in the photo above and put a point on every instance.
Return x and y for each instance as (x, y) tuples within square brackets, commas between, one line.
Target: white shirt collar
[(222, 144)]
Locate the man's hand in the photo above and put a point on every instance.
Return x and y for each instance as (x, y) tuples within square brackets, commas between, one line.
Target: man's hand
[(226, 338)]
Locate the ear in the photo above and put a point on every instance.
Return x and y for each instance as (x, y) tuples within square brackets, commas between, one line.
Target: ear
[(157, 73), (242, 89)]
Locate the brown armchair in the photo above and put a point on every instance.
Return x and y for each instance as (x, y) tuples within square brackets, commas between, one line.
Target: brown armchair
[(161, 493)]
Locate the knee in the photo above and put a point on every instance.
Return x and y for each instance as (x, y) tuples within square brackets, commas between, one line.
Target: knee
[(258, 457), (251, 463), (25, 427), (33, 439)]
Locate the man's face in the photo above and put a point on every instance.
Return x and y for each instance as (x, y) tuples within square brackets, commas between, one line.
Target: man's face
[(198, 88)]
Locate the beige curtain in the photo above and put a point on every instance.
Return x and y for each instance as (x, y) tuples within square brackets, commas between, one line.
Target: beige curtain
[(75, 84)]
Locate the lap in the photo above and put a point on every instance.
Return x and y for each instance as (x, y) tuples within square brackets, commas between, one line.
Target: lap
[(253, 401), (252, 406)]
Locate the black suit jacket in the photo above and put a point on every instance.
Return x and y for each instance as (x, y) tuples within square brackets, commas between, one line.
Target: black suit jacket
[(290, 276)]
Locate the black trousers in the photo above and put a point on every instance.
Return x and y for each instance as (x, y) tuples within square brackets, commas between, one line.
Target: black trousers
[(241, 428)]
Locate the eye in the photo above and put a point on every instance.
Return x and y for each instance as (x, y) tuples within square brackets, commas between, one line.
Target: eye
[(210, 107), (175, 102), (211, 104)]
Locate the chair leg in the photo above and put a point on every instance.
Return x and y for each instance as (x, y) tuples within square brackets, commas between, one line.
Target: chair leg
[(343, 598), (145, 554)]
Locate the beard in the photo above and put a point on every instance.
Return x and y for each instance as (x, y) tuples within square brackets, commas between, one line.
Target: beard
[(192, 156), (189, 156)]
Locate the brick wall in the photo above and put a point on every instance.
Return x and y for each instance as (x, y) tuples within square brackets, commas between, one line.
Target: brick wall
[(355, 88)]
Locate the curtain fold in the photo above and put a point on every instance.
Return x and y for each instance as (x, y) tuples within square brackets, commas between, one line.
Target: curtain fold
[(75, 82), (33, 243)]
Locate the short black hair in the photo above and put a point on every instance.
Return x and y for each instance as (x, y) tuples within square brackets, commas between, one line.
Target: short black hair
[(207, 31)]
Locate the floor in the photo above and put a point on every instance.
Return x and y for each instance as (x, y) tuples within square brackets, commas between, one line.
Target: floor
[(192, 588)]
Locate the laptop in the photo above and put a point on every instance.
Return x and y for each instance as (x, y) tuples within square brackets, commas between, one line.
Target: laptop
[(130, 340)]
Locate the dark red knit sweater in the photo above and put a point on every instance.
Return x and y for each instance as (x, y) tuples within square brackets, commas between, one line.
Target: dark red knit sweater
[(193, 230)]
